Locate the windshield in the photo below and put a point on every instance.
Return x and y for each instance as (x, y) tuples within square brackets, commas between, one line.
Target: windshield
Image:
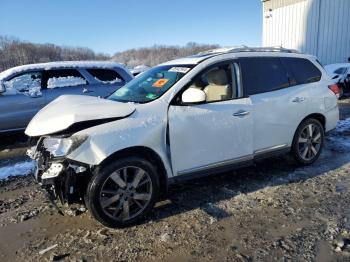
[(151, 84)]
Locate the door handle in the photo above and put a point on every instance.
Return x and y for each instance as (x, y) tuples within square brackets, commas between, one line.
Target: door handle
[(298, 99), (85, 90), (241, 113)]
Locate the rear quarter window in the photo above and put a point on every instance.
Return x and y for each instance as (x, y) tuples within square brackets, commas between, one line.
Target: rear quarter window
[(263, 74), (107, 76), (301, 70)]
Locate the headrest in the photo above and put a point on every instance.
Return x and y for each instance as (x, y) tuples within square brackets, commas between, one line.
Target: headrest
[(217, 77)]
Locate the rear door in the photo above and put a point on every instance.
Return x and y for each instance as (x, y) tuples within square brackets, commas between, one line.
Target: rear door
[(22, 99), (306, 84), (106, 82), (64, 81), (278, 107)]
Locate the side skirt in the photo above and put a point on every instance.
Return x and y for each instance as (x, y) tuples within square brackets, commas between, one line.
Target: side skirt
[(229, 165)]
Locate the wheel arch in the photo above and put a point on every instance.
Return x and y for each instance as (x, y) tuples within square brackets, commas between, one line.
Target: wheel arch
[(321, 118), (295, 144), (146, 153)]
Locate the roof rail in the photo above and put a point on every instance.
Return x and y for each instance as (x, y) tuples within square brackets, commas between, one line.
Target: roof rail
[(237, 49)]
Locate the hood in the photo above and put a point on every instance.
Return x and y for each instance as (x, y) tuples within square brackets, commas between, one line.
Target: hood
[(68, 110)]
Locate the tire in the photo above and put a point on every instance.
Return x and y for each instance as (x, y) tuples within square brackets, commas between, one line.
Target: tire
[(307, 147), (123, 192)]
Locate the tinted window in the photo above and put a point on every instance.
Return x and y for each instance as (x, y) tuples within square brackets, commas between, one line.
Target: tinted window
[(301, 71), (340, 71), (62, 78), (263, 74), (105, 75)]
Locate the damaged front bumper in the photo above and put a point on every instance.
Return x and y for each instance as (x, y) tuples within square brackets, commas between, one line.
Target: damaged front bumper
[(61, 178)]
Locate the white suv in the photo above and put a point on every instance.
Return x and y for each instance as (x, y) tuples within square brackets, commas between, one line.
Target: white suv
[(185, 118)]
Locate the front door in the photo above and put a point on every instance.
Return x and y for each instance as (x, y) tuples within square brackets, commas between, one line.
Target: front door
[(214, 134), (22, 99)]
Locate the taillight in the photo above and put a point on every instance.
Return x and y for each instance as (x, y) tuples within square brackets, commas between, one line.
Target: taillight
[(335, 89)]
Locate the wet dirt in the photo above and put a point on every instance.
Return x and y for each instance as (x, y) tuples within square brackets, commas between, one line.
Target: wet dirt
[(272, 211)]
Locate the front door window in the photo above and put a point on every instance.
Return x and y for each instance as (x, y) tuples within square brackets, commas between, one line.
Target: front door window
[(217, 83), (27, 83)]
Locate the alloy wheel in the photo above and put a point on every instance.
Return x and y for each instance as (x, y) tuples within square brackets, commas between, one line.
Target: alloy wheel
[(126, 193), (309, 142)]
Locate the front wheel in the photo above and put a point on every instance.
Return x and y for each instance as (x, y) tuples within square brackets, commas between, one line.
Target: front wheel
[(308, 141), (121, 193)]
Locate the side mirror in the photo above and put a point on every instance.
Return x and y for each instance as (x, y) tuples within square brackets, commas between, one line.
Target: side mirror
[(2, 87), (193, 95)]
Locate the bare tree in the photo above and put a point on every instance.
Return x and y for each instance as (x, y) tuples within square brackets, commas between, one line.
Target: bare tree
[(158, 54), (14, 52)]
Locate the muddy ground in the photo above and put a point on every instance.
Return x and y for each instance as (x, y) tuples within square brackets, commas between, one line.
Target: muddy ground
[(273, 211)]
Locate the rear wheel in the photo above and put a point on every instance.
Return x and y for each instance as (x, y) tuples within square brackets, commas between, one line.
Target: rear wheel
[(123, 192), (308, 141)]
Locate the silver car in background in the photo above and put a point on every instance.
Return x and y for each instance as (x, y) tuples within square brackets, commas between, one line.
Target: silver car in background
[(24, 90)]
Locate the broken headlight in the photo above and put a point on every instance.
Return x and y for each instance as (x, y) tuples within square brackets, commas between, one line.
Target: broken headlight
[(59, 147)]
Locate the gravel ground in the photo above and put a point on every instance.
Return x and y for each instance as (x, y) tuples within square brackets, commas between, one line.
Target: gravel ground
[(273, 211)]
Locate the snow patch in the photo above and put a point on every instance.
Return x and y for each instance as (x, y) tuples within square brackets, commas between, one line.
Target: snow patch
[(343, 126), (64, 81), (139, 69), (117, 80), (25, 85), (61, 64), (339, 139), (18, 169)]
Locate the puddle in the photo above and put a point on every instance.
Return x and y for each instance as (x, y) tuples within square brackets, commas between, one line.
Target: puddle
[(341, 188)]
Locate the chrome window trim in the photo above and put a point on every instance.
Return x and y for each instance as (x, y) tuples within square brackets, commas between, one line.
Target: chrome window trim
[(239, 80), (215, 165), (270, 149)]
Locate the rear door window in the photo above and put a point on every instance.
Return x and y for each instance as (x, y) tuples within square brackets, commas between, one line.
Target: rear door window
[(301, 70), (263, 74), (62, 78), (105, 76)]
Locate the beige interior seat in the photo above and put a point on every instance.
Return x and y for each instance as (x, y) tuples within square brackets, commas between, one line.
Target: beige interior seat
[(218, 88)]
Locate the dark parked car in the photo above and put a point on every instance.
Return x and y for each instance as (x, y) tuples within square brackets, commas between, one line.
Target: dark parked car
[(24, 90), (340, 73)]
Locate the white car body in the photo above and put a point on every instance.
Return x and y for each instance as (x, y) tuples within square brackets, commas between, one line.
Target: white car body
[(270, 124), (182, 133)]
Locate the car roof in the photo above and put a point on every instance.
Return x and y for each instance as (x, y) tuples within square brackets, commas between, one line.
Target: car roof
[(241, 51), (61, 65), (332, 67)]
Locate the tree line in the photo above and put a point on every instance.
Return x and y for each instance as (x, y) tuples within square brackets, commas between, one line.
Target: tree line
[(15, 52), (158, 54)]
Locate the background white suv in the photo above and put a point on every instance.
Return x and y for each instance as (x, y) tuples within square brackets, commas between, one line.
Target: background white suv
[(189, 117)]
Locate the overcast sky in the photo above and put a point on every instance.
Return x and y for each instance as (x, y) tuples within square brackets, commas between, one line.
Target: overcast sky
[(115, 25)]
